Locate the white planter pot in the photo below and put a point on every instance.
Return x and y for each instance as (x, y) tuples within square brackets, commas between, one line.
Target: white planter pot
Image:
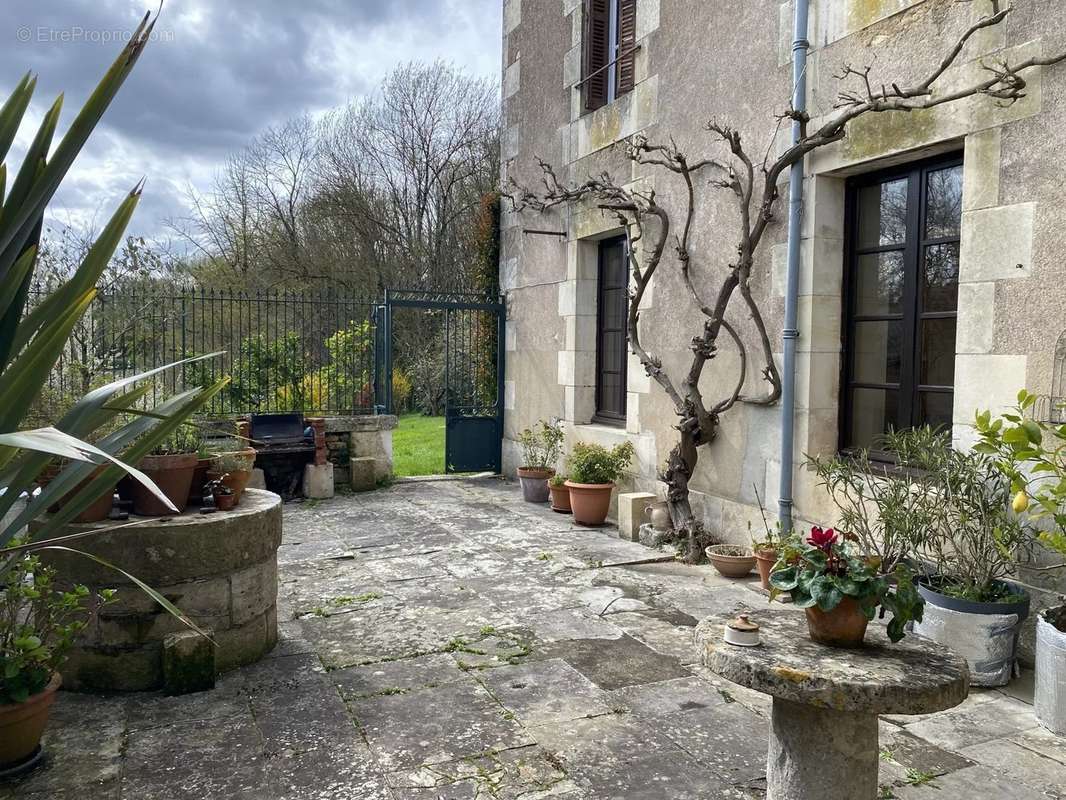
[(985, 634), (1049, 699)]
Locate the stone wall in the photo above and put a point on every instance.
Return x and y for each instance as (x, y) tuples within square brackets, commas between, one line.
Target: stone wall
[(1012, 277), (220, 569), (360, 437)]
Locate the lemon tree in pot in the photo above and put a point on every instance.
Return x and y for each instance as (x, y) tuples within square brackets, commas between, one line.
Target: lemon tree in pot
[(541, 446), (593, 472), (1032, 455), (840, 588), (38, 625)]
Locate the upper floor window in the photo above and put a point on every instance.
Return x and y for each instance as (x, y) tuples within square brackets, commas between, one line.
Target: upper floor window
[(609, 45), (902, 286)]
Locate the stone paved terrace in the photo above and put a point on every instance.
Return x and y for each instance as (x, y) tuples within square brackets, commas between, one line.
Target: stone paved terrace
[(446, 640)]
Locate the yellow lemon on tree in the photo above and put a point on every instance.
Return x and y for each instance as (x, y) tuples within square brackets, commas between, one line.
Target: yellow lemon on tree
[(1021, 502)]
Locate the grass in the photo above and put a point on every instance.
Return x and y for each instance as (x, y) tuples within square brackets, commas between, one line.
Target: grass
[(418, 446)]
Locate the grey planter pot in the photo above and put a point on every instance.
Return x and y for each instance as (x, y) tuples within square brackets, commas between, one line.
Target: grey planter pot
[(1049, 698), (985, 634), (534, 484)]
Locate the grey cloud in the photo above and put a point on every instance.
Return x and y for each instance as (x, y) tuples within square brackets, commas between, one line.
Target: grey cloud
[(220, 71)]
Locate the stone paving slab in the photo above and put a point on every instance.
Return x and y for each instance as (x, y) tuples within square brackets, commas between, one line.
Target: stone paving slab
[(449, 641)]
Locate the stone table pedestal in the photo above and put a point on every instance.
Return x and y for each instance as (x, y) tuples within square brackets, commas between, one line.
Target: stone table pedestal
[(823, 732)]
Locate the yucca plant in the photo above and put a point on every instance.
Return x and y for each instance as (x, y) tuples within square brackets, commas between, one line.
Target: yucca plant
[(31, 339)]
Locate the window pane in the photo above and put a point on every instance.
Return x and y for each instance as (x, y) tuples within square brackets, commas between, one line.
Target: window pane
[(943, 203), (873, 414), (940, 279), (934, 408), (883, 214), (876, 351), (879, 284), (938, 352)]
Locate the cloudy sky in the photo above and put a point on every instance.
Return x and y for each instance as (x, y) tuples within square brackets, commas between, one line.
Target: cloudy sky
[(217, 73)]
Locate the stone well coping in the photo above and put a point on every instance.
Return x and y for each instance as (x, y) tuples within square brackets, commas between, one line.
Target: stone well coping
[(913, 676), (164, 551), (365, 423)]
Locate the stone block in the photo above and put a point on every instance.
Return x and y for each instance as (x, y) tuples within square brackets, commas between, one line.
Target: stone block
[(253, 591), (362, 473), (188, 663), (246, 644), (374, 443), (114, 669), (318, 481), (631, 513)]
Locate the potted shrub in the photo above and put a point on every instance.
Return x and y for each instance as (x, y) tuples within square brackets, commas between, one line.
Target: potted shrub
[(560, 494), (38, 625), (948, 514), (170, 466), (221, 492), (593, 472), (840, 588), (541, 446), (731, 561)]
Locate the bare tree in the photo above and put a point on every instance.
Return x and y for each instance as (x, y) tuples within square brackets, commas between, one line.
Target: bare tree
[(407, 169), (754, 186)]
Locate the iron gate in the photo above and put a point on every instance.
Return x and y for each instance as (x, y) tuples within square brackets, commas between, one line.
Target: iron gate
[(473, 336)]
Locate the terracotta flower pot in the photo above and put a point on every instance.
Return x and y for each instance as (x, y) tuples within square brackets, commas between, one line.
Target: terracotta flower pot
[(590, 502), (731, 561), (22, 724), (765, 558), (199, 479), (560, 498), (98, 510), (534, 484), (173, 475), (237, 479), (225, 502), (844, 626)]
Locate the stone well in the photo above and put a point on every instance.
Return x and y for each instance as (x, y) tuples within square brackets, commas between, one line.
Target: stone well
[(221, 569)]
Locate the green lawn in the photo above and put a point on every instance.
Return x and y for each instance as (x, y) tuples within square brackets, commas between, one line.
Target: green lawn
[(418, 446)]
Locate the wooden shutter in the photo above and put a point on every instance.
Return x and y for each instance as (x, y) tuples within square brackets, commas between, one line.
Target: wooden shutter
[(627, 38), (597, 49)]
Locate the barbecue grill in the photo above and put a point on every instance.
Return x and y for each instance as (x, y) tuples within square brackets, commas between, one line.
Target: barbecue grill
[(282, 450)]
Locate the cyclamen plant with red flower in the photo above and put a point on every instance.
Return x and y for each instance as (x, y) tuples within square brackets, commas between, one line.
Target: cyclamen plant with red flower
[(824, 567)]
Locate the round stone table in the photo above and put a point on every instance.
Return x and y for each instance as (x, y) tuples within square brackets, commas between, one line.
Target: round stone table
[(823, 734)]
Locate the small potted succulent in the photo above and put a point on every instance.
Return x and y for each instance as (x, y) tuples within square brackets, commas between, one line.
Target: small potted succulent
[(39, 622), (171, 466), (593, 472), (560, 494), (840, 588), (224, 496), (541, 446), (731, 561)]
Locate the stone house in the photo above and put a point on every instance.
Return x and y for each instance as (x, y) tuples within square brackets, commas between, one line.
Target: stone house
[(932, 281)]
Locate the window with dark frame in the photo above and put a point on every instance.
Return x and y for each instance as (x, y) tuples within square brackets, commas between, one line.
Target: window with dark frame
[(901, 300), (610, 38), (612, 339)]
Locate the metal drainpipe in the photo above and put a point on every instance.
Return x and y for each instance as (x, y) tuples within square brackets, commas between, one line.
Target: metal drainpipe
[(800, 45)]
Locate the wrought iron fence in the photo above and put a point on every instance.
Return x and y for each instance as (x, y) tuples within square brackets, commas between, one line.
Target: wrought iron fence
[(284, 351)]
